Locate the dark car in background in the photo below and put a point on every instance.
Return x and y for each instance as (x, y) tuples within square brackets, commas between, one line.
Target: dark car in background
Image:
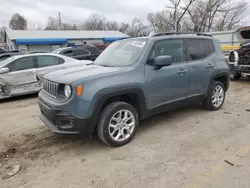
[(4, 51), (101, 47), (86, 52), (4, 56)]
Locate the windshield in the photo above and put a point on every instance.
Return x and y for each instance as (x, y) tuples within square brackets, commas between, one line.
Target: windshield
[(122, 53)]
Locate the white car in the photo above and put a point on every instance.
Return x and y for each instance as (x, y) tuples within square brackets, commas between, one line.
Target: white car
[(22, 74)]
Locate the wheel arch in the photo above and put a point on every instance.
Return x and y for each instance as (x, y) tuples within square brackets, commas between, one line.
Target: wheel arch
[(223, 77), (131, 95)]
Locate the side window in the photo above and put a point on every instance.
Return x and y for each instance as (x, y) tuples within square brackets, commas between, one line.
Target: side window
[(3, 57), (22, 64), (77, 52), (173, 48), (199, 48), (46, 60), (208, 47), (1, 51), (68, 53)]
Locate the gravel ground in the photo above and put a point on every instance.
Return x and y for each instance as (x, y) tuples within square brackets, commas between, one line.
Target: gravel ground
[(182, 148)]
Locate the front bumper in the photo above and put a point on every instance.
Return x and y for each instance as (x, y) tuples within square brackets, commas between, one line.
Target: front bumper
[(239, 69), (63, 122)]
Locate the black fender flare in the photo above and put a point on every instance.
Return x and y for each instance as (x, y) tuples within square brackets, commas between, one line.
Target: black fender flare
[(216, 75), (103, 95)]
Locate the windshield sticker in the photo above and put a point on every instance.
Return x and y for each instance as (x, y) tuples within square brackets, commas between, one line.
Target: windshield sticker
[(138, 44)]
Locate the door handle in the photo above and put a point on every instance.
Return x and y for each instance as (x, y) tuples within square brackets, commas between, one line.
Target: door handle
[(182, 71), (209, 66)]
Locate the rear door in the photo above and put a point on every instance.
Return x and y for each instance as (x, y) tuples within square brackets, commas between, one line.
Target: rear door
[(48, 63), (21, 71), (201, 65)]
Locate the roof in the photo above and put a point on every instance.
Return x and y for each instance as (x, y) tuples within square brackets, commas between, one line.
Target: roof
[(69, 34), (220, 32), (180, 35)]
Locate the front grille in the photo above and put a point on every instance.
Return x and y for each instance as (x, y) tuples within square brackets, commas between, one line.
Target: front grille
[(50, 88)]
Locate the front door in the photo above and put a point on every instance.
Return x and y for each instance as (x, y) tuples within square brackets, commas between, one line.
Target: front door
[(21, 77), (168, 84), (21, 71)]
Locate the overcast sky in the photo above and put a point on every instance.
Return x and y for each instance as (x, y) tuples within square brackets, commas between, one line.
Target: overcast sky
[(75, 11)]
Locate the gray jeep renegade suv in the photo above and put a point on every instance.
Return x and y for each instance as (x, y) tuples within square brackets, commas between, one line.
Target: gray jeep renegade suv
[(133, 79)]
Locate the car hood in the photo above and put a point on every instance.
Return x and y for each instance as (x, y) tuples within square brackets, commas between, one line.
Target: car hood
[(71, 75), (243, 35)]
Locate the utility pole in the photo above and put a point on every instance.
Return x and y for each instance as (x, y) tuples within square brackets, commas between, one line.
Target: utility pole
[(59, 20)]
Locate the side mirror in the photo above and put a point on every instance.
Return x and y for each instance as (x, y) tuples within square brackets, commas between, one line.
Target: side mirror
[(164, 60), (4, 70)]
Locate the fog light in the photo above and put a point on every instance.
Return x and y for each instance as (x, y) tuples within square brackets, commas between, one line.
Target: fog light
[(66, 124)]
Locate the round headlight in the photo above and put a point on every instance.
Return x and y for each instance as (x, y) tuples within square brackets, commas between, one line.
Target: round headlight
[(67, 91)]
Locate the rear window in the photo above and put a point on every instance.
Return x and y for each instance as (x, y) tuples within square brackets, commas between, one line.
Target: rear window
[(77, 52), (199, 49), (92, 49)]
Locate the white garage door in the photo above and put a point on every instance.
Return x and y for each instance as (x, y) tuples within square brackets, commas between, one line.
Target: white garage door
[(44, 48)]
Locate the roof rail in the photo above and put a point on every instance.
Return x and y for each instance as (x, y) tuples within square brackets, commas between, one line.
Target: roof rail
[(179, 33)]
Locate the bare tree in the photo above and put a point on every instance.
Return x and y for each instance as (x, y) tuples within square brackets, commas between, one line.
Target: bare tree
[(135, 28), (18, 22), (199, 15), (231, 17), (56, 24), (171, 17), (124, 27), (112, 25), (213, 15), (74, 27), (53, 24), (160, 21), (95, 22), (180, 7)]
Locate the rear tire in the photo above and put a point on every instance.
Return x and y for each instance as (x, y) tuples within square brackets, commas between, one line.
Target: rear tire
[(216, 97), (117, 124)]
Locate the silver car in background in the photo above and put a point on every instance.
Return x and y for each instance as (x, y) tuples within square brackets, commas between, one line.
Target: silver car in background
[(22, 74)]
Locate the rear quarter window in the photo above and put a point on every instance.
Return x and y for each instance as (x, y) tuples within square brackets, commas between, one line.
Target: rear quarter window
[(199, 48)]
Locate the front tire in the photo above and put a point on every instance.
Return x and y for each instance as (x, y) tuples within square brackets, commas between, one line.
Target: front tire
[(117, 124), (216, 97)]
